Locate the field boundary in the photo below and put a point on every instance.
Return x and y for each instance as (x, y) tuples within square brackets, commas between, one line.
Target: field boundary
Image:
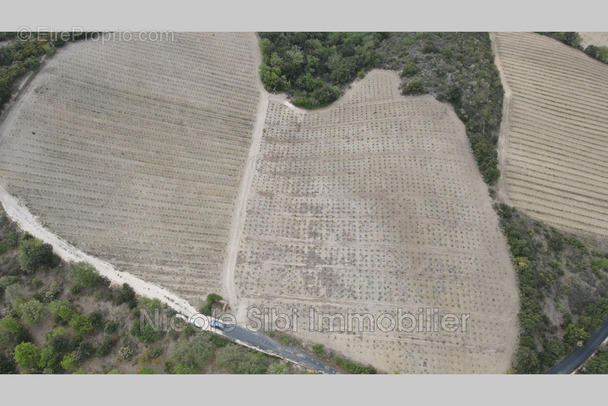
[(66, 251), (238, 219)]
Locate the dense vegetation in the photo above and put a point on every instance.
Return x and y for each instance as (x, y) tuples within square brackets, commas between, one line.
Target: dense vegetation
[(16, 59), (563, 284), (314, 68), (574, 40)]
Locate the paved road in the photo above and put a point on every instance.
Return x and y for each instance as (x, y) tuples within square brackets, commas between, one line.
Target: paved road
[(268, 345), (582, 354)]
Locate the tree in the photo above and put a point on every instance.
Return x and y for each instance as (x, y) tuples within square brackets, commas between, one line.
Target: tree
[(252, 363), (33, 254), (11, 332), (69, 363), (228, 357), (31, 311), (81, 324), (7, 366), (526, 361), (62, 310), (85, 275), (211, 299), (573, 335), (193, 355), (48, 358), (27, 355), (105, 346), (146, 332)]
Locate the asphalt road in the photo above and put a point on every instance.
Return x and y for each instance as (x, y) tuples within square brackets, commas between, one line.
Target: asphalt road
[(267, 344), (582, 354)]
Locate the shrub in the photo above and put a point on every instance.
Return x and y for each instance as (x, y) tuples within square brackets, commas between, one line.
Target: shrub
[(82, 324), (318, 350), (354, 367), (125, 353), (85, 350), (62, 310), (415, 87), (146, 371), (31, 311), (12, 332), (49, 358), (105, 346), (146, 332), (111, 327), (410, 69), (69, 363), (27, 355), (34, 254), (228, 357), (211, 298), (278, 369), (252, 363), (192, 355), (85, 275)]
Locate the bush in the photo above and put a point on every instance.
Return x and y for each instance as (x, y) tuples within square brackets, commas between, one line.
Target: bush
[(11, 333), (318, 350), (69, 363), (252, 363), (111, 327), (62, 310), (31, 311), (27, 355), (410, 69), (85, 275), (49, 358), (354, 367), (228, 357), (146, 371), (193, 355), (34, 254), (146, 332), (211, 298), (415, 87), (82, 324), (85, 351), (278, 369), (105, 346), (125, 353)]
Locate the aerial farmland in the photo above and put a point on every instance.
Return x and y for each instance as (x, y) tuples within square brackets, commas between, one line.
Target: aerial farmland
[(325, 177), (555, 146)]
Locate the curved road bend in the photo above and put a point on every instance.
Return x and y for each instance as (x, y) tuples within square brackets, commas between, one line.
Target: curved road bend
[(270, 346), (577, 357)]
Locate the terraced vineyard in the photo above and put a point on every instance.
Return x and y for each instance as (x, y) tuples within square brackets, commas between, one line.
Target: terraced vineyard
[(134, 151), (554, 158), (594, 38), (372, 205)]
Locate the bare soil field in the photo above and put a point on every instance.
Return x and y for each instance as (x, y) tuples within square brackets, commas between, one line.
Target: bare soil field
[(555, 148), (134, 152), (375, 204), (594, 38)]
